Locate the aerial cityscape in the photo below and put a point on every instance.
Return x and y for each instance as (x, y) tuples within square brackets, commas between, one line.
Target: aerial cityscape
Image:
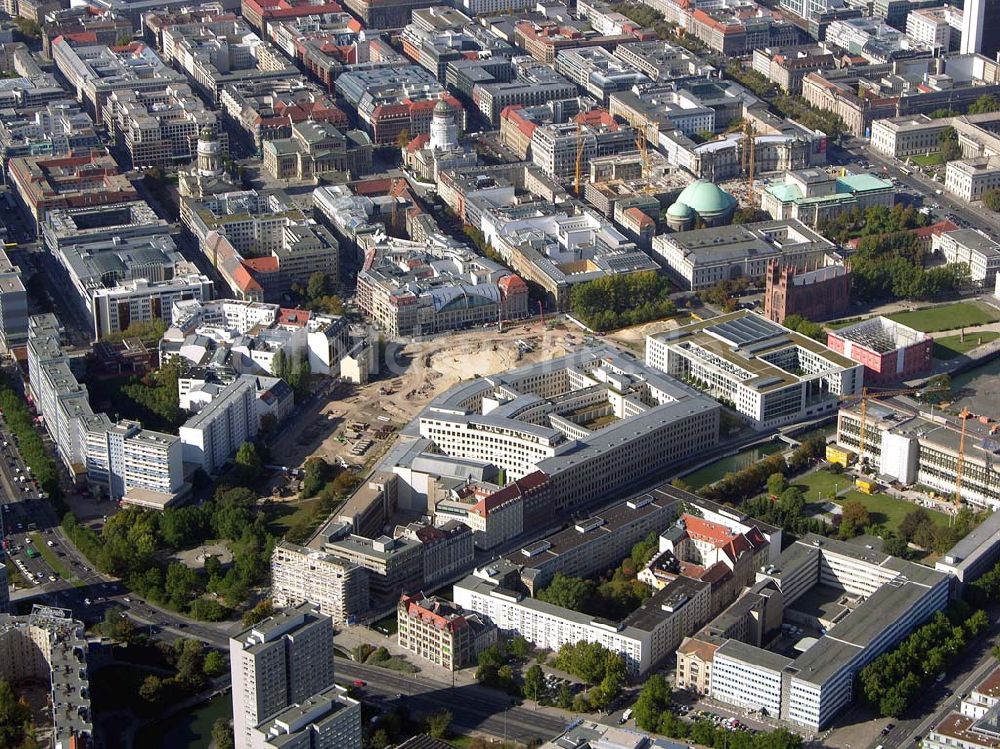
[(574, 374)]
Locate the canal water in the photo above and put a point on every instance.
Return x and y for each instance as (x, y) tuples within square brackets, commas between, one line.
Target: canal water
[(190, 729), (715, 471)]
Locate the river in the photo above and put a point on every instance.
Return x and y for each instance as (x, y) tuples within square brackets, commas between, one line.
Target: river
[(714, 471), (187, 730)]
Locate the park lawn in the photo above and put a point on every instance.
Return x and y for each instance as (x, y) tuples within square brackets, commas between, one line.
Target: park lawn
[(823, 482), (948, 316), (889, 511), (952, 346), (282, 516), (50, 557), (932, 159)]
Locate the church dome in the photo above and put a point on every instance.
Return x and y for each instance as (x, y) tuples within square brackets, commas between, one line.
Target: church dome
[(680, 210), (441, 109), (706, 199)]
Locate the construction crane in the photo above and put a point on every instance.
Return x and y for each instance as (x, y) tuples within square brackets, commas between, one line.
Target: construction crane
[(579, 158), (868, 394), (749, 156), (640, 143), (960, 463)]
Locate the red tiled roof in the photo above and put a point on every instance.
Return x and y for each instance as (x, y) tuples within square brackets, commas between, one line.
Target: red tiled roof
[(266, 264)]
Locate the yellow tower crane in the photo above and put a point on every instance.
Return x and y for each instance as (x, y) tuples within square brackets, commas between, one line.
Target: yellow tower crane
[(960, 463), (868, 394), (640, 143)]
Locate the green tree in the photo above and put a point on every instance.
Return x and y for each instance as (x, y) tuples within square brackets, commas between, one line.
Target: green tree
[(950, 150), (215, 664), (438, 724), (912, 522), (249, 465), (259, 613), (991, 199), (518, 647), (567, 592), (854, 518), (316, 286), (984, 104), (776, 484), (279, 365), (151, 689), (534, 683), (315, 475), (222, 734)]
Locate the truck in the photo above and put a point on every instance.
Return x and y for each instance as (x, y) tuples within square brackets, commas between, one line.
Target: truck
[(867, 486)]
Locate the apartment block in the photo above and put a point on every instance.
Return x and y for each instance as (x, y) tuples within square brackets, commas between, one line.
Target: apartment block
[(597, 72), (278, 663), (439, 631), (213, 435), (329, 719), (395, 565), (57, 129), (338, 587), (13, 305), (49, 647)]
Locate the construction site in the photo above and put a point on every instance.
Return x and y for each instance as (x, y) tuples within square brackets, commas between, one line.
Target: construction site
[(355, 425)]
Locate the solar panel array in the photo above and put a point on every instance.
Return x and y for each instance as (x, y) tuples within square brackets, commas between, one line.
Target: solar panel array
[(743, 331)]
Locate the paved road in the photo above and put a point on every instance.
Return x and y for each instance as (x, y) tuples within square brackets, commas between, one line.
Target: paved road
[(937, 701), (474, 708)]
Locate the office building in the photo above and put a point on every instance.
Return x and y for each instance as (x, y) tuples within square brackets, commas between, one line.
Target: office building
[(533, 85), (980, 253), (338, 587), (439, 631), (276, 664), (13, 305), (44, 183), (223, 53), (260, 242), (395, 565), (559, 246), (818, 294), (936, 28), (57, 129), (267, 110), (889, 351), (748, 361), (559, 149), (634, 423), (643, 638), (597, 72), (842, 605), (261, 14), (213, 435), (813, 196), (970, 179), (28, 85), (95, 71), (700, 258), (396, 100), (159, 128), (419, 287), (448, 548), (911, 447), (979, 33), (47, 646)]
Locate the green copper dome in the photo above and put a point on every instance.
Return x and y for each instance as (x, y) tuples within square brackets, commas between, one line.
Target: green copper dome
[(706, 199), (680, 210)]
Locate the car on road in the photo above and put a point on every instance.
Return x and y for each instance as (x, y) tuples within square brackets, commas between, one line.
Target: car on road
[(886, 729), (52, 578), (359, 683)]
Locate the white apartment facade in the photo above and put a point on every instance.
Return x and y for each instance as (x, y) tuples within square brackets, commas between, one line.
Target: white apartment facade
[(337, 586), (213, 435), (279, 662), (326, 720), (140, 300)]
